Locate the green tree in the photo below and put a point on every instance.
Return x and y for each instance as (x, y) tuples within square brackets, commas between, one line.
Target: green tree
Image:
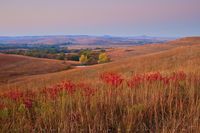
[(86, 52), (103, 57), (83, 59), (74, 57)]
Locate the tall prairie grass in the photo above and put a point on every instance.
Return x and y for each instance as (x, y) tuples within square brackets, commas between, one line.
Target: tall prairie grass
[(150, 102)]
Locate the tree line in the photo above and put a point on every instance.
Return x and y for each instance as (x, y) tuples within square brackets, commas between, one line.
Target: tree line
[(84, 56)]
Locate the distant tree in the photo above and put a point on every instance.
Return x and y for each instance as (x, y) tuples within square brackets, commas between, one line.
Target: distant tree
[(86, 52), (103, 50), (83, 59), (93, 58), (61, 56), (74, 57), (103, 57)]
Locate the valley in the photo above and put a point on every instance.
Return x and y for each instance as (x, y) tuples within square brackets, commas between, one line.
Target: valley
[(166, 57)]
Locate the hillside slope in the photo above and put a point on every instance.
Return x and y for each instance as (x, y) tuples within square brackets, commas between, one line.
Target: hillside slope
[(121, 53), (14, 66), (80, 39), (166, 58)]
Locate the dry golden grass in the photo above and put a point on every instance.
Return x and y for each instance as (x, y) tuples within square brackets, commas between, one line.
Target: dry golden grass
[(120, 53), (14, 66), (162, 102), (150, 105), (166, 57)]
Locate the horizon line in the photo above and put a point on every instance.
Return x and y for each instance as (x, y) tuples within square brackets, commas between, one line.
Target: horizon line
[(93, 35)]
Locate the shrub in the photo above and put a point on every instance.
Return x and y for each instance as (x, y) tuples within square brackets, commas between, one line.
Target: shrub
[(83, 59), (103, 58), (73, 57), (114, 106), (61, 56)]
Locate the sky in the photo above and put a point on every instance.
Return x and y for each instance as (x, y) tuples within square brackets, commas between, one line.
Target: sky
[(171, 18)]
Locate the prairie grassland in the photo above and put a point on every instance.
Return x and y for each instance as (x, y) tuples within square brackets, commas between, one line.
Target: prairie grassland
[(150, 102), (121, 53), (155, 92), (185, 58), (15, 66)]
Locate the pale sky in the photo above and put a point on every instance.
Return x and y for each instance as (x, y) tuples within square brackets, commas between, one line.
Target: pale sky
[(100, 17)]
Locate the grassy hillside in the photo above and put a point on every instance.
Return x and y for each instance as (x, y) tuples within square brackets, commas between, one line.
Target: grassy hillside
[(80, 40), (14, 66), (157, 91), (165, 57), (121, 53), (152, 92)]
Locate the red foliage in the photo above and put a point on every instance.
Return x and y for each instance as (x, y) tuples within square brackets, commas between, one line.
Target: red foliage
[(154, 77), (28, 103), (26, 97), (112, 79), (54, 91), (135, 80), (166, 80), (69, 87), (2, 106), (178, 76), (15, 95), (87, 90)]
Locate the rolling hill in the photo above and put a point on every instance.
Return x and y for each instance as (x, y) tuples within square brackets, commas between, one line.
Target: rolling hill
[(80, 40), (14, 66), (154, 88), (182, 54)]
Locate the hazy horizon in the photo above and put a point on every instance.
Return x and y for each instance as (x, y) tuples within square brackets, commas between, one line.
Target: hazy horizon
[(159, 18), (91, 35)]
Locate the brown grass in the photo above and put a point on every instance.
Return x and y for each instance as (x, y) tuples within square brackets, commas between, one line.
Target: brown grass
[(121, 53), (151, 106), (15, 66), (148, 107), (164, 58)]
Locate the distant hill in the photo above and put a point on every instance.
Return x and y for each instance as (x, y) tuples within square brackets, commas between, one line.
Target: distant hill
[(80, 39), (181, 54), (187, 40), (14, 66)]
